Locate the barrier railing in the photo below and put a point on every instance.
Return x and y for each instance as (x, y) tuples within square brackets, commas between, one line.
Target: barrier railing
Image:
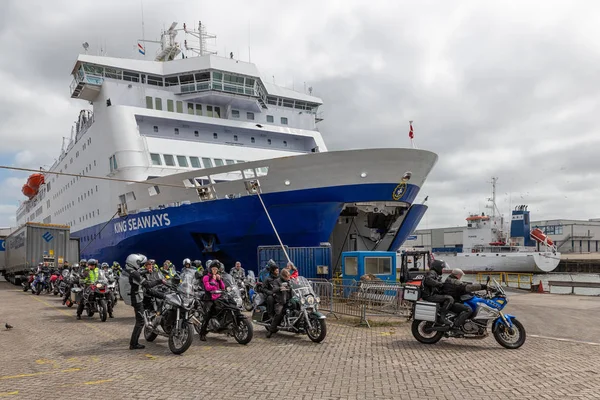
[(518, 280)]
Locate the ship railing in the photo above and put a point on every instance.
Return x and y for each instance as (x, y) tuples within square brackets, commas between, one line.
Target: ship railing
[(518, 280), (218, 86)]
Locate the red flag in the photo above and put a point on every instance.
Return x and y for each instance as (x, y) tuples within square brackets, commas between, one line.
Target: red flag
[(411, 134)]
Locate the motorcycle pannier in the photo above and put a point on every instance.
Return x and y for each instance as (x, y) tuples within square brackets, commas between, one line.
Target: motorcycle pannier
[(411, 293), (425, 311)]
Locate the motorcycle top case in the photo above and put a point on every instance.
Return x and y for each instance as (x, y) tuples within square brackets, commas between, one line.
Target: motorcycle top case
[(411, 293), (425, 311), (125, 287)]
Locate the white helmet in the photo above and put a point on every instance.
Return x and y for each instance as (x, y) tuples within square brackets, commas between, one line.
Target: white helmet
[(135, 261), (187, 261)]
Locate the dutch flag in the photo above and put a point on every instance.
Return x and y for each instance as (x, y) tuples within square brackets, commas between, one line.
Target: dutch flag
[(141, 49)]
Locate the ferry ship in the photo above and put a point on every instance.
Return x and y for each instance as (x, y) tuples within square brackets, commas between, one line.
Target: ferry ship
[(488, 248), (177, 156)]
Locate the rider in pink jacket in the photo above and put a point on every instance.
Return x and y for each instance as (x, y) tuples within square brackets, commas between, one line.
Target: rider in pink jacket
[(212, 281)]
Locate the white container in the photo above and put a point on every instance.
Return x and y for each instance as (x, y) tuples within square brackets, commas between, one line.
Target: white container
[(411, 293), (425, 311)]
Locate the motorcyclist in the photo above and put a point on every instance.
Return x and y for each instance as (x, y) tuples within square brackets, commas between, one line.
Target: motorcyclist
[(83, 264), (88, 276), (138, 281), (212, 282), (267, 287), (455, 288), (432, 289), (282, 292), (293, 270), (73, 279), (199, 267), (237, 272), (187, 263), (168, 269), (116, 267)]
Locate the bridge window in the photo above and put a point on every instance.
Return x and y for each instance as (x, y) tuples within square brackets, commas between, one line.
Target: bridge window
[(170, 105), (182, 161), (169, 160), (284, 121), (158, 103), (270, 118), (183, 79), (131, 76), (272, 100), (155, 80), (149, 102), (155, 159), (235, 113), (202, 76), (207, 162), (250, 116), (171, 81), (229, 162), (195, 162), (219, 162)]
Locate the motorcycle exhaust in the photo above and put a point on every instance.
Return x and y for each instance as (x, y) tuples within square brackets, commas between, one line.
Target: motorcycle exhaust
[(195, 320)]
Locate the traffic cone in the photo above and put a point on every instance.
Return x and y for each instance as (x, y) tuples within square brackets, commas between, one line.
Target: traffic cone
[(540, 287)]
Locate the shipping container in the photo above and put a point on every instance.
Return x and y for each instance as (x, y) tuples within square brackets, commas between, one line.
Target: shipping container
[(312, 262), (27, 246), (2, 252)]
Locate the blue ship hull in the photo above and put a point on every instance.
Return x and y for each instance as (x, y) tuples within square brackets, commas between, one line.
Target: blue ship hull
[(303, 218)]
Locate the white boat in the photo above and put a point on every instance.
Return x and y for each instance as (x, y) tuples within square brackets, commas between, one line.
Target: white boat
[(168, 160), (488, 248)]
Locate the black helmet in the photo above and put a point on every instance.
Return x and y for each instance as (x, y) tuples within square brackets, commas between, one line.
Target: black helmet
[(272, 265), (92, 261), (438, 266)]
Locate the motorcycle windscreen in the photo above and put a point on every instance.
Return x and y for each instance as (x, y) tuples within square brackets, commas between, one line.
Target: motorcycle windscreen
[(251, 277), (186, 288), (408, 226), (231, 286)]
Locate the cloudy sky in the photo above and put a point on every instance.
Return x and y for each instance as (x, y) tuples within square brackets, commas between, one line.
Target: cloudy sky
[(506, 89)]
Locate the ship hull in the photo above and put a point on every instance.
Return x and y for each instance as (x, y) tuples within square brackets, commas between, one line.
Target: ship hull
[(521, 262), (231, 229)]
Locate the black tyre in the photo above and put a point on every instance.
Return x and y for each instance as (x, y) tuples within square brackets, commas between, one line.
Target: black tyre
[(25, 288), (421, 330), (38, 290), (149, 335), (511, 339), (244, 331), (319, 330), (90, 313), (103, 310), (181, 339)]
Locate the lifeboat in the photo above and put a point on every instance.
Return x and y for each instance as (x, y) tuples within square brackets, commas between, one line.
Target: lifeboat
[(539, 236), (499, 243), (478, 218), (35, 181), (28, 191)]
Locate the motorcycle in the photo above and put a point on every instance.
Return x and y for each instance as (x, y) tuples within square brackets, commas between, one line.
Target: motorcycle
[(229, 319), (54, 281), (487, 315), (63, 282), (27, 284), (113, 295), (95, 297), (247, 287), (73, 290), (39, 283), (301, 312), (172, 319)]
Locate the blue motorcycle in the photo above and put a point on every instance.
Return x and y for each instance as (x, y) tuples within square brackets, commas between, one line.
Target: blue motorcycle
[(486, 315)]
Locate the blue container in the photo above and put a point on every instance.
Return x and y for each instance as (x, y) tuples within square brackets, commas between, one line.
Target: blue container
[(382, 264), (312, 262)]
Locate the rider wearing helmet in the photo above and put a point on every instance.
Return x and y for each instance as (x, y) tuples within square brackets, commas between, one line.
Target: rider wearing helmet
[(455, 288), (237, 272), (268, 286), (168, 270), (116, 267), (211, 282), (199, 267), (187, 263), (83, 263), (432, 287), (138, 281), (89, 276)]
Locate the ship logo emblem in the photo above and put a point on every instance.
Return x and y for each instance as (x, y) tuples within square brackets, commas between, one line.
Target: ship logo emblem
[(399, 191), (47, 237)]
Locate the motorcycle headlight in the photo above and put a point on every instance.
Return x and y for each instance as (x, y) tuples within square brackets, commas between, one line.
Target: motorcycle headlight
[(99, 285), (229, 288), (318, 299), (302, 300), (310, 300)]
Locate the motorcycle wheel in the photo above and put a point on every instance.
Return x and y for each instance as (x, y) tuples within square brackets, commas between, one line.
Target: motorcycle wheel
[(421, 330), (182, 340), (149, 335), (25, 288), (103, 310), (39, 290), (319, 331), (243, 332), (90, 313), (508, 339)]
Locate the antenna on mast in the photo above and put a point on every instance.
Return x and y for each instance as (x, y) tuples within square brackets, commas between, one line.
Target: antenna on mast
[(202, 36)]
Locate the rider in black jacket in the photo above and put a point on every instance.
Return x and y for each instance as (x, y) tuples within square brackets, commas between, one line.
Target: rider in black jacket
[(138, 279), (455, 288), (268, 286), (282, 292), (432, 289)]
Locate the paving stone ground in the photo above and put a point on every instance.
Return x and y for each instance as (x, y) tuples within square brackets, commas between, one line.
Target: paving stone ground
[(51, 355)]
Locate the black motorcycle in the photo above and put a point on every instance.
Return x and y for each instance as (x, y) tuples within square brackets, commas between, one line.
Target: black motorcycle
[(301, 312), (95, 297), (229, 319), (171, 316)]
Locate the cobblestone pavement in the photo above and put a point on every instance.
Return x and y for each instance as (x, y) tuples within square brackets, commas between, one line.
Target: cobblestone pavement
[(51, 355)]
